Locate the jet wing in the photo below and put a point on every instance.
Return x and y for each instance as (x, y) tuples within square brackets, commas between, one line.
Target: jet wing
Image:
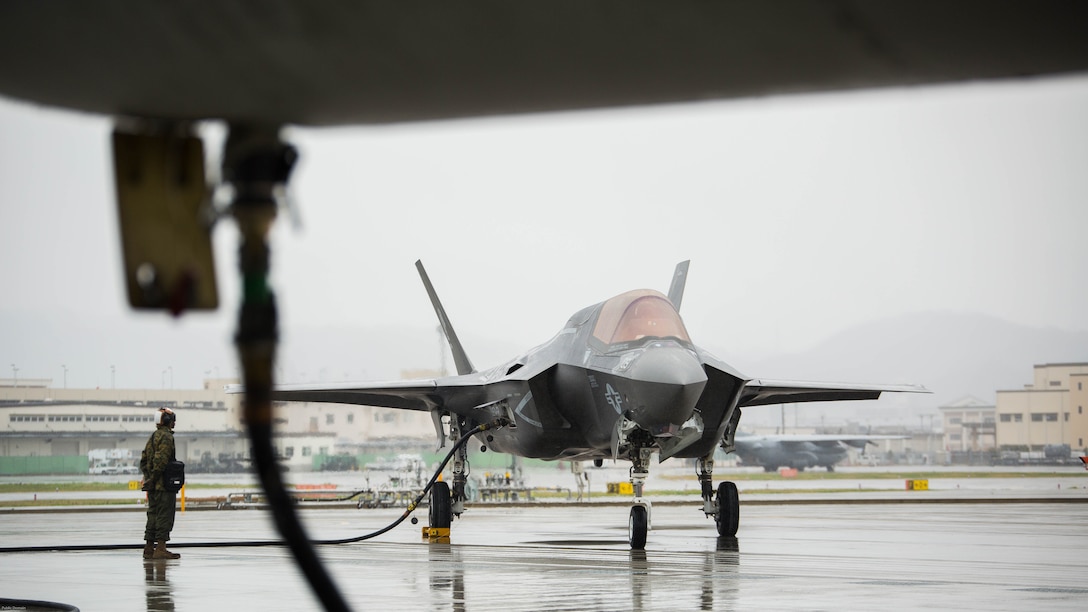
[(334, 63), (455, 394), (761, 392)]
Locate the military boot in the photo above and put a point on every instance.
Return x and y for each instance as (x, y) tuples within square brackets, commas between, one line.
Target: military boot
[(149, 549), (162, 553)]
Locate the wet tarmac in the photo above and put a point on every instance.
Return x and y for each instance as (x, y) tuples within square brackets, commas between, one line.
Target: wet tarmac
[(976, 555)]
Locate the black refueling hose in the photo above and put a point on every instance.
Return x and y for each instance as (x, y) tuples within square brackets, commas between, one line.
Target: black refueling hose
[(30, 604), (257, 543)]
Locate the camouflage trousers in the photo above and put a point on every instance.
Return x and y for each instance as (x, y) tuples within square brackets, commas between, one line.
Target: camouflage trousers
[(160, 516)]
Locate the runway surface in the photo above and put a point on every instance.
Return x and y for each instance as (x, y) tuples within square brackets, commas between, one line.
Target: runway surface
[(972, 555)]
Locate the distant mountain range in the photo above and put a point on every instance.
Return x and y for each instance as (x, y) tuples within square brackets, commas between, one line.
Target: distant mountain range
[(952, 354)]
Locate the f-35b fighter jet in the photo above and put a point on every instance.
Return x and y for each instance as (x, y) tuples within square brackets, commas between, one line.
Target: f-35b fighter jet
[(622, 380)]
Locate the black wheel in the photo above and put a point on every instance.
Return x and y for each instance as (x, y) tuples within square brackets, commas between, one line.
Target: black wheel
[(441, 513), (637, 526), (728, 518)]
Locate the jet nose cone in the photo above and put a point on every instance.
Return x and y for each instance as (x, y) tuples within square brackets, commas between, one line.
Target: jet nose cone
[(672, 365), (669, 380)]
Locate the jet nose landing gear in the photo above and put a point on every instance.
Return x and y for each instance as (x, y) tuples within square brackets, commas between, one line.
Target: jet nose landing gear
[(638, 524)]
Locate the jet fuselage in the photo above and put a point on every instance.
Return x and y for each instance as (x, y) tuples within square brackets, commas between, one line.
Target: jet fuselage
[(570, 395)]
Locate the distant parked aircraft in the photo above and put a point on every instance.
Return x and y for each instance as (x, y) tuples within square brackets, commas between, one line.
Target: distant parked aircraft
[(799, 451)]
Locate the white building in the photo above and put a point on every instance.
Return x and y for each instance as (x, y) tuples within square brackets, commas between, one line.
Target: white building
[(970, 424), (48, 430)]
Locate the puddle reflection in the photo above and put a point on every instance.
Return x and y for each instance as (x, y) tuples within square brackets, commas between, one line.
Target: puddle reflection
[(160, 594)]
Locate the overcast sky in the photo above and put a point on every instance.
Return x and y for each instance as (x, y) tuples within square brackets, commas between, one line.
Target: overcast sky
[(802, 216)]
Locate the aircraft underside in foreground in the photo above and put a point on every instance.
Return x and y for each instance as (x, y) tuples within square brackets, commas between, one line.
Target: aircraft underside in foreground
[(622, 380)]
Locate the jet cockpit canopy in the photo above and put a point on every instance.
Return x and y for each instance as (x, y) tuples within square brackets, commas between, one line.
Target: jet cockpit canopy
[(637, 315)]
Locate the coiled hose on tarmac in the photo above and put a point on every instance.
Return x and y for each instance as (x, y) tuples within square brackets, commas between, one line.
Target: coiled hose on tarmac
[(257, 543)]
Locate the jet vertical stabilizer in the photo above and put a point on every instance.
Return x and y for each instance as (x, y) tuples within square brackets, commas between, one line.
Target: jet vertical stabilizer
[(460, 358), (679, 278)]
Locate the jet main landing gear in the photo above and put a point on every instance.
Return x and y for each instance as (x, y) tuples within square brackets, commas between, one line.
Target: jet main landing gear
[(728, 515), (725, 506), (447, 502), (440, 513)]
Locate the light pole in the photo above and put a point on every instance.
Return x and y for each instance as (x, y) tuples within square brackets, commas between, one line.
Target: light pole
[(15, 375), (113, 379), (65, 376), (1061, 423)]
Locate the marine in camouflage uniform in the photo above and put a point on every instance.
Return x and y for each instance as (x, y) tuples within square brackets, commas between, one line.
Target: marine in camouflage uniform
[(160, 502)]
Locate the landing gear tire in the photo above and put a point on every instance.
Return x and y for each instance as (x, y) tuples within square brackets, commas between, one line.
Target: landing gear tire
[(728, 517), (440, 514), (637, 526)]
